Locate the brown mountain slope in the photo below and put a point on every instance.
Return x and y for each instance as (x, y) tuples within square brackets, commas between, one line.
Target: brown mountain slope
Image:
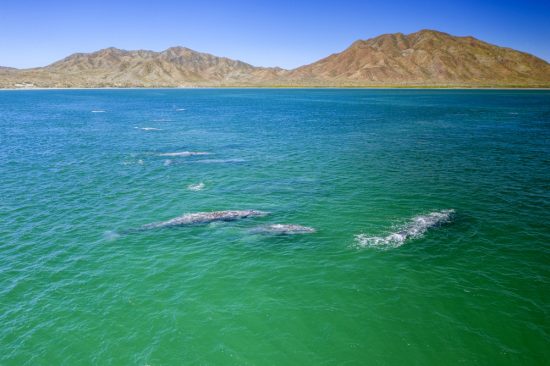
[(176, 66), (425, 57), (418, 59)]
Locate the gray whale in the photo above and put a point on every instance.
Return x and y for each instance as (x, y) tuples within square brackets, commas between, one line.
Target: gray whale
[(415, 228), (283, 229), (205, 218), (185, 153)]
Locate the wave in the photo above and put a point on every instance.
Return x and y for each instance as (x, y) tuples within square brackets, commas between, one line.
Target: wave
[(98, 111), (185, 153), (413, 229)]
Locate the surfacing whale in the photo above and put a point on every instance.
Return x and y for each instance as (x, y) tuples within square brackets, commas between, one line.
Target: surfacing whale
[(415, 228), (283, 229), (205, 218), (196, 187)]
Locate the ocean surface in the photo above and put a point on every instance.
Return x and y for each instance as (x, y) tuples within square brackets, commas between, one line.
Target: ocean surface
[(431, 210)]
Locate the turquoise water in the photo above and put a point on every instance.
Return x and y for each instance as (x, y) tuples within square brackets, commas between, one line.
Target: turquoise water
[(79, 285)]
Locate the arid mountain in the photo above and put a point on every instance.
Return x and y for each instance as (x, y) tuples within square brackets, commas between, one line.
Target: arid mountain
[(418, 59), (426, 57), (112, 67)]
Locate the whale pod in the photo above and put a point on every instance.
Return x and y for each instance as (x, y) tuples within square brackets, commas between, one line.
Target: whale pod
[(205, 218)]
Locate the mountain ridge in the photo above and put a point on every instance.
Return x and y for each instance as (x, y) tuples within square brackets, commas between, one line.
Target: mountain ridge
[(423, 58)]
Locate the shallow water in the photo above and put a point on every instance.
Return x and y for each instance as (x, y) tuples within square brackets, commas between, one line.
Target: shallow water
[(79, 285)]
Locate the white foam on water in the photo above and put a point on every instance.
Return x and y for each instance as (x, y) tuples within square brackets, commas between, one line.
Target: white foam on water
[(180, 109), (98, 111), (283, 229), (167, 162), (148, 128), (196, 187), (413, 229), (131, 162), (221, 161), (185, 153)]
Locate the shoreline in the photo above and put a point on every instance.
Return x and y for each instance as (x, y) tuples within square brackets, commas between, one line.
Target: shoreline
[(382, 87)]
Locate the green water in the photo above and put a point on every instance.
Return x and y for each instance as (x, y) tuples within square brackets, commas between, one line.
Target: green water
[(80, 286)]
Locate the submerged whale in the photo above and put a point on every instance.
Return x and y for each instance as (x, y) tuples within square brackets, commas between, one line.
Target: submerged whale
[(205, 218), (415, 228), (185, 153), (283, 229)]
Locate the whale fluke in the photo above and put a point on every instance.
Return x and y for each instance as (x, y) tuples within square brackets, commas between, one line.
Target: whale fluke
[(205, 218), (283, 229)]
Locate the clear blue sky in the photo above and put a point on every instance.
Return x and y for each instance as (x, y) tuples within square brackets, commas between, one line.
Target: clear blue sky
[(263, 33)]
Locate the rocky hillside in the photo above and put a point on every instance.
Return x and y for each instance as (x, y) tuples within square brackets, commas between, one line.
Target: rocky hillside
[(112, 67), (424, 58)]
